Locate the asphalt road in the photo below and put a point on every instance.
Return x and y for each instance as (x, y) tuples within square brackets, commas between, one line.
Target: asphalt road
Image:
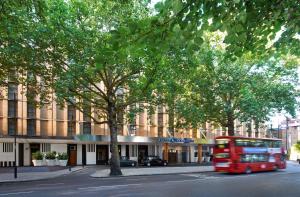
[(281, 183)]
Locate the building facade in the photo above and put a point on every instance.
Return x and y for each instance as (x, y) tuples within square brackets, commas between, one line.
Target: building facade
[(68, 130)]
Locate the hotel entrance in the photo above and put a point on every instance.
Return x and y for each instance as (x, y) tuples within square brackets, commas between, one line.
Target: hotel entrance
[(101, 154)]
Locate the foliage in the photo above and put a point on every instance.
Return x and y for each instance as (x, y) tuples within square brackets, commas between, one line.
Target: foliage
[(297, 146), (37, 156), (222, 90), (50, 155), (62, 156)]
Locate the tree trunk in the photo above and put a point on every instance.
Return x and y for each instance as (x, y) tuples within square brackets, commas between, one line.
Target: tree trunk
[(171, 119), (249, 128), (256, 128), (230, 124), (115, 169)]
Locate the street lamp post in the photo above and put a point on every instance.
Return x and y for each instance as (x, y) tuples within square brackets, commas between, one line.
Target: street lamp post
[(15, 136), (286, 134)]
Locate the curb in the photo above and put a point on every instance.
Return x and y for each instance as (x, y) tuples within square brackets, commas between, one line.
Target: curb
[(39, 179), (149, 174)]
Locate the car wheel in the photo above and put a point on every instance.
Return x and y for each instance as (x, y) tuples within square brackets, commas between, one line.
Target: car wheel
[(275, 167), (248, 170), (165, 164), (148, 164), (132, 164)]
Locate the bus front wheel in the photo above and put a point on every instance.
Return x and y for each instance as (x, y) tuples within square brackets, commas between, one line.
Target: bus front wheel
[(248, 170)]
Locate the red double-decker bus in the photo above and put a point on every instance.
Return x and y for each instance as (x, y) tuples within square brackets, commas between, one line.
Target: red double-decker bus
[(234, 154)]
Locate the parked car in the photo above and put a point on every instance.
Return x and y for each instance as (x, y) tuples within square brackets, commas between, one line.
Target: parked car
[(125, 161), (154, 161)]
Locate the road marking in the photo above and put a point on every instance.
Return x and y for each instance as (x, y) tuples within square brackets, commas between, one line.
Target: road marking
[(49, 184), (107, 187), (190, 180), (16, 193)]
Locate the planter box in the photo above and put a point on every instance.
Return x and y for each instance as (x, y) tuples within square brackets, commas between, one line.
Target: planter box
[(51, 162), (63, 162), (37, 162)]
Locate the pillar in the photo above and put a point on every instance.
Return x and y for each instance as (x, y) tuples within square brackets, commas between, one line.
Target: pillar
[(166, 150), (199, 153)]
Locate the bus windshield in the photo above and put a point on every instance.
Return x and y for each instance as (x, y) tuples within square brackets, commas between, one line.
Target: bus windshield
[(222, 143)]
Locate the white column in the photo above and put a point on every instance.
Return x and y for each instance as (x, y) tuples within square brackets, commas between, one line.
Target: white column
[(123, 150), (79, 154)]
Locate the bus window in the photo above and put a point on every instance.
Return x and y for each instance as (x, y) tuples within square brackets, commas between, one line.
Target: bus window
[(222, 143), (276, 144), (222, 155), (257, 143), (242, 142)]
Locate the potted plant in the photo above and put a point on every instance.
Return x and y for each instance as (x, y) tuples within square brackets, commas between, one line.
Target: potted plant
[(50, 158), (63, 159), (37, 158)]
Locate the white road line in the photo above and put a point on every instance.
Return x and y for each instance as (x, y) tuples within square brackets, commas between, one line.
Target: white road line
[(49, 184), (107, 186), (190, 180), (16, 193)]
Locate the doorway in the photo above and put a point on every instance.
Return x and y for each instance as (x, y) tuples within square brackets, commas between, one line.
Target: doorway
[(142, 152), (21, 154), (72, 152), (173, 156), (101, 154), (33, 149), (83, 154)]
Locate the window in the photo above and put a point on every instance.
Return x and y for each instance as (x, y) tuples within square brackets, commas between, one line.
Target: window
[(248, 158), (71, 113), (222, 143), (87, 128), (133, 151), (91, 148), (160, 131), (160, 119), (222, 155), (8, 147), (12, 126), (31, 112), (71, 120), (12, 91), (250, 143), (12, 108), (46, 148), (71, 128), (31, 127)]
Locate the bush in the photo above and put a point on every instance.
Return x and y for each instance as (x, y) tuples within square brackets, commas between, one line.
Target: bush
[(297, 146), (62, 156), (50, 155), (37, 156)]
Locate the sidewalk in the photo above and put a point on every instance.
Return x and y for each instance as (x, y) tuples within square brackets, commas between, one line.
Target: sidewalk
[(33, 176), (154, 171)]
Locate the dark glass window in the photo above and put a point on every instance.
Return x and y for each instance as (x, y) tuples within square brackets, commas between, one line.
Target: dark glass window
[(87, 128), (12, 108), (12, 91), (31, 110), (12, 126), (31, 127), (222, 143)]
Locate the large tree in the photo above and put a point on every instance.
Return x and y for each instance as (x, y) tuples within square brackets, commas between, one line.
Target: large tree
[(245, 89), (98, 60)]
